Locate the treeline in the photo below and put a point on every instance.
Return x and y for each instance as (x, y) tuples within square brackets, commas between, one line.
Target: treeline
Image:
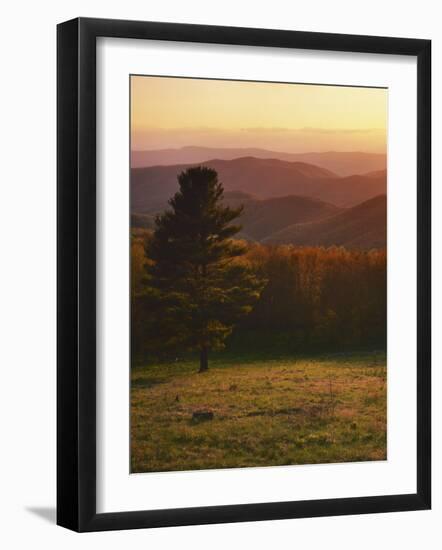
[(315, 299), (321, 298)]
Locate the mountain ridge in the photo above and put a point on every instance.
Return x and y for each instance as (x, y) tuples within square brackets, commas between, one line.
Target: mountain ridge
[(262, 217), (343, 163), (151, 187), (362, 226)]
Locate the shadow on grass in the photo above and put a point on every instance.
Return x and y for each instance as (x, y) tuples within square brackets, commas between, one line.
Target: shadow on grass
[(146, 382)]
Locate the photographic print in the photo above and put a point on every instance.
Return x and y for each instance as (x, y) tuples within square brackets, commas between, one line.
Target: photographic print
[(258, 225)]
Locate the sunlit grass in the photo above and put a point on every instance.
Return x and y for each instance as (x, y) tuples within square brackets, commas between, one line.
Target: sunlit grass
[(266, 412)]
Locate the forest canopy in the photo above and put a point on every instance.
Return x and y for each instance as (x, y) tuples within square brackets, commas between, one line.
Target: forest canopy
[(315, 299)]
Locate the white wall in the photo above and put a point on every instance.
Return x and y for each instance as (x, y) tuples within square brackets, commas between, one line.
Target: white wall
[(27, 290)]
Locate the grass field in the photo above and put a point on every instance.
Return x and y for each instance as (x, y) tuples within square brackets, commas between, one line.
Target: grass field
[(265, 412)]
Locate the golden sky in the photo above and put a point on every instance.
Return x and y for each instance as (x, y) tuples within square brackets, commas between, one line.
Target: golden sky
[(176, 112)]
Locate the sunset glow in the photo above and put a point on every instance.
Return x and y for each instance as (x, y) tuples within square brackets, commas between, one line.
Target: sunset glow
[(176, 112)]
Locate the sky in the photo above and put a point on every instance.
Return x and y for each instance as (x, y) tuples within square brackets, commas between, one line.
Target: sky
[(169, 112)]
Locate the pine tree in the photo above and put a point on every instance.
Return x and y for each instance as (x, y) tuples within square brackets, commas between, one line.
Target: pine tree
[(197, 283)]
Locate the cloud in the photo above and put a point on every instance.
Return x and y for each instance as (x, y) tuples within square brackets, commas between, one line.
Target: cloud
[(267, 130), (310, 130), (277, 138)]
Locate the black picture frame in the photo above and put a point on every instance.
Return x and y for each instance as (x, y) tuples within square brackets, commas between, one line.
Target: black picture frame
[(76, 272)]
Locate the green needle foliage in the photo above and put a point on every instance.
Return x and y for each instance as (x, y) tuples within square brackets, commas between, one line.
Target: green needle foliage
[(197, 284)]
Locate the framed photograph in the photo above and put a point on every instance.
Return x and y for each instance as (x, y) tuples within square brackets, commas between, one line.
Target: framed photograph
[(243, 274)]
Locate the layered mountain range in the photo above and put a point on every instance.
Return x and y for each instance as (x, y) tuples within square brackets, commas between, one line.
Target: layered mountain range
[(341, 163), (285, 201)]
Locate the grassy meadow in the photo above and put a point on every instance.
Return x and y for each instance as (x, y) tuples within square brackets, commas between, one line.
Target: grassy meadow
[(266, 412)]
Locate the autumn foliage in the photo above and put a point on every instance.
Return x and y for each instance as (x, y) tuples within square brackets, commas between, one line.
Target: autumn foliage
[(321, 298), (315, 299)]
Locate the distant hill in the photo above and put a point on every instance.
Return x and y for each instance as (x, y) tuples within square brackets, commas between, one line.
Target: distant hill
[(151, 187), (264, 217), (304, 221), (351, 190), (347, 163), (341, 163), (363, 226), (234, 197)]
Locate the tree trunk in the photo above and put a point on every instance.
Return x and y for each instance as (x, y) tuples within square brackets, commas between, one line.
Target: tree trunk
[(204, 363)]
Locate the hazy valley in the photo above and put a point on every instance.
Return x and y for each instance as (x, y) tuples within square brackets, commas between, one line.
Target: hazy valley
[(285, 202)]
